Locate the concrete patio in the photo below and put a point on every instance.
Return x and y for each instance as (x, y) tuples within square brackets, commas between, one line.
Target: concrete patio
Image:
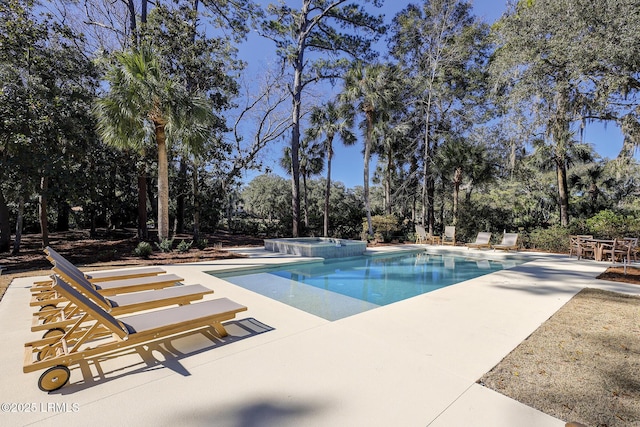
[(412, 363)]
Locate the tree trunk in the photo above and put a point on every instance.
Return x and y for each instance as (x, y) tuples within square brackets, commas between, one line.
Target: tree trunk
[(143, 233), (431, 211), (19, 220), (295, 147), (196, 205), (301, 32), (5, 225), (561, 135), (132, 22), (163, 184), (428, 191), (441, 213), (367, 158), (230, 206), (327, 193), (143, 11), (181, 198), (62, 224), (457, 180), (387, 187), (42, 208), (414, 212), (467, 195), (153, 198), (306, 205), (594, 191), (563, 191), (427, 181)]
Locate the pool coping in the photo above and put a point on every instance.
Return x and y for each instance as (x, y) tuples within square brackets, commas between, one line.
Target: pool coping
[(378, 252), (399, 364)]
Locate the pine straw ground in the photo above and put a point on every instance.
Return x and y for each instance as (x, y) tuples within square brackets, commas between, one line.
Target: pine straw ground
[(582, 365)]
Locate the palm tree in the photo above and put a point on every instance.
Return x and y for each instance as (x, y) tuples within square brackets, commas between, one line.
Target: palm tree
[(590, 178), (369, 89), (330, 121), (143, 105), (456, 159), (564, 153), (392, 139)]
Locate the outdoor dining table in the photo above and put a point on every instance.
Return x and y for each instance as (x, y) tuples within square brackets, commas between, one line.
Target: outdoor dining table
[(599, 247)]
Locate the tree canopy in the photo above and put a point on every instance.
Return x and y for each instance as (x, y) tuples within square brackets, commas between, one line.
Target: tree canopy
[(459, 122)]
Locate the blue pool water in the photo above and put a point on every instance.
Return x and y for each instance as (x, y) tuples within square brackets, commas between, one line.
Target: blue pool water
[(334, 289)]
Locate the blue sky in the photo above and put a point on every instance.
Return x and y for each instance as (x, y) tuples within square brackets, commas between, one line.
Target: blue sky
[(347, 165)]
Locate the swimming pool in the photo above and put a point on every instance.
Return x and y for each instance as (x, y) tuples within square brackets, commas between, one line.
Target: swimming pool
[(334, 289)]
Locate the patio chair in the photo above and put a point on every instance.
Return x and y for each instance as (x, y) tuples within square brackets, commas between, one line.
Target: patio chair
[(449, 236), (576, 242), (509, 241), (55, 320), (423, 237), (587, 248), (482, 241), (421, 234), (108, 335), (619, 250), (633, 251), (97, 276)]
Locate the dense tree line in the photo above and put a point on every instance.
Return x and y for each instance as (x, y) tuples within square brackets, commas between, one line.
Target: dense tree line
[(131, 113)]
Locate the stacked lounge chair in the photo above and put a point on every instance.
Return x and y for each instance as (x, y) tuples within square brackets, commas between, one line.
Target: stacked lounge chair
[(79, 317)]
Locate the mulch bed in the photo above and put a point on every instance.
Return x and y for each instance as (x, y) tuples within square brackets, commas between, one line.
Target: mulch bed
[(617, 274), (110, 250), (115, 249)]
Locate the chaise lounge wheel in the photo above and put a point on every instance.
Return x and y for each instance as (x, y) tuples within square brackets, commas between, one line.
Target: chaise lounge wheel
[(55, 332), (54, 378), (48, 314), (46, 353)]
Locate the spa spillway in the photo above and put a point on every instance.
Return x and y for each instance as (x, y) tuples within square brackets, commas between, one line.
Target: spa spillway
[(317, 247)]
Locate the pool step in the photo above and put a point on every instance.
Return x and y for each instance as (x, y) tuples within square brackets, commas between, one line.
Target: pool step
[(320, 302)]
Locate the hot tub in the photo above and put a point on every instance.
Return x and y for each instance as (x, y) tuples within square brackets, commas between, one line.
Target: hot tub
[(322, 247)]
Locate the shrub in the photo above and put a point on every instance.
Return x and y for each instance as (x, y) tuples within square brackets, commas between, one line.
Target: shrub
[(201, 243), (183, 246), (107, 255), (553, 239), (384, 227), (143, 250), (166, 245), (633, 226), (607, 224)]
